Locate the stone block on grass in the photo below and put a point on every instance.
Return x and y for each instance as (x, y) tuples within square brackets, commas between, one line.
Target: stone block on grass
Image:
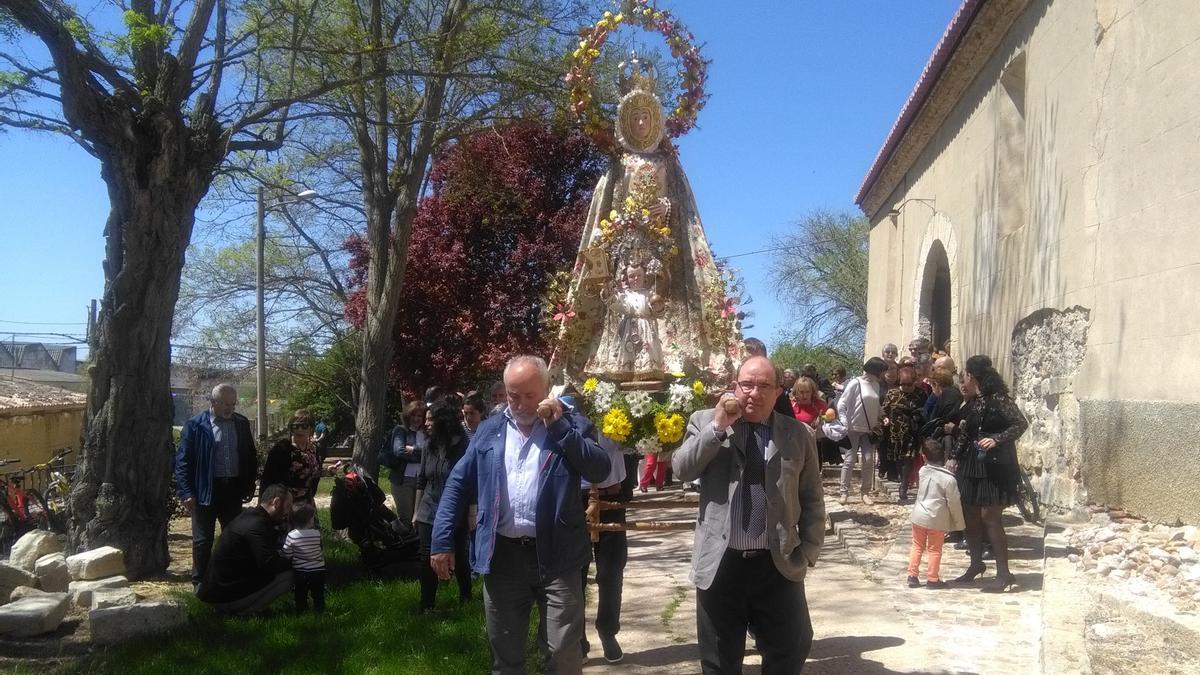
[(81, 591), (117, 624), (103, 598), (97, 563), (33, 615), (51, 572), (31, 546)]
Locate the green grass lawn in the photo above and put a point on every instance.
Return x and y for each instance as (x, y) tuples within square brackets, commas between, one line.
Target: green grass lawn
[(370, 626)]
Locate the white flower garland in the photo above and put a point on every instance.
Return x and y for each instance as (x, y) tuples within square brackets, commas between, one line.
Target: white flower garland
[(649, 446), (640, 403), (602, 396), (681, 398)]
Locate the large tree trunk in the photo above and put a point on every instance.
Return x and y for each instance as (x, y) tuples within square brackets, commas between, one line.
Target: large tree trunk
[(120, 493), (385, 281)]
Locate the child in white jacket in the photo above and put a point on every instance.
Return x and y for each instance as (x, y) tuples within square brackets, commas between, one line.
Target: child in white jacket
[(938, 510)]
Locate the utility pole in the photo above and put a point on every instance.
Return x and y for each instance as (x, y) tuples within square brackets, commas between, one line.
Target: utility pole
[(260, 241), (260, 237)]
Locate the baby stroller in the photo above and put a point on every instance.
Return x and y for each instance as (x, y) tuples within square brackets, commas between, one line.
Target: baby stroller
[(385, 545)]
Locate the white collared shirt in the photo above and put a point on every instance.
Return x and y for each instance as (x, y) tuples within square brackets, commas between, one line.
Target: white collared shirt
[(523, 459)]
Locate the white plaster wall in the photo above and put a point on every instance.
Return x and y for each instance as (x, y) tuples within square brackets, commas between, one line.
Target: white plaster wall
[(1113, 180)]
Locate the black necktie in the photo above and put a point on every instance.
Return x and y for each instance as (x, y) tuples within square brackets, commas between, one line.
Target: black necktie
[(754, 496)]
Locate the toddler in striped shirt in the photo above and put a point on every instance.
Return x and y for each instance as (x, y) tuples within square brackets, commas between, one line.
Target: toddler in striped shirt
[(303, 548)]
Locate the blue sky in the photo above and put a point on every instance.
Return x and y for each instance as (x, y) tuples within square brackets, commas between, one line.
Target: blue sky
[(802, 94)]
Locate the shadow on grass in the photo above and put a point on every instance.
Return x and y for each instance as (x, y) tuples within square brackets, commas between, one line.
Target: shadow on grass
[(369, 626)]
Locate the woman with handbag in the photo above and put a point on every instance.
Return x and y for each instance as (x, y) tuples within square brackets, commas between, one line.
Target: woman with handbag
[(985, 463), (859, 410)]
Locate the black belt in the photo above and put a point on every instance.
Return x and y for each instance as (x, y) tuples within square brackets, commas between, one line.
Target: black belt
[(751, 553), (519, 541)]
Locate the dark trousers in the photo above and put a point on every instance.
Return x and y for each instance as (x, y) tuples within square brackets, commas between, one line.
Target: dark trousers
[(462, 564), (611, 553), (226, 505), (309, 583), (752, 593), (510, 591)]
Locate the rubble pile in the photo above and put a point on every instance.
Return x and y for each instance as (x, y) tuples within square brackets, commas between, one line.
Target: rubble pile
[(40, 585), (1141, 558)]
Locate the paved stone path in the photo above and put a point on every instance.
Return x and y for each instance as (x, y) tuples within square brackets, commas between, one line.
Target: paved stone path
[(864, 617)]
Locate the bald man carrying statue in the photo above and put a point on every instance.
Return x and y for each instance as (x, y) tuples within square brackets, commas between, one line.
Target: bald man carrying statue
[(523, 468), (215, 469), (759, 528)]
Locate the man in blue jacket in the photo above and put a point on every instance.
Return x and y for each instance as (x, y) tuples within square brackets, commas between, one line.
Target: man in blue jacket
[(215, 469), (531, 537)]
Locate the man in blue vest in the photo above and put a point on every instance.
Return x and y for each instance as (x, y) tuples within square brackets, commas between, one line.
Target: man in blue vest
[(523, 468), (215, 469)]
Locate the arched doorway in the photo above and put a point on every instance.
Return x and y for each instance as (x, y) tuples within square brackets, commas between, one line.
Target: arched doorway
[(935, 302)]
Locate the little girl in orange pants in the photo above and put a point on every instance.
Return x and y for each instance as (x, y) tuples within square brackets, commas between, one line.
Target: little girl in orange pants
[(937, 510)]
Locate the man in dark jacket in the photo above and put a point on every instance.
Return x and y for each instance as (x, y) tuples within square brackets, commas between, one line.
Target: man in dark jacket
[(215, 468), (531, 539), (247, 570)]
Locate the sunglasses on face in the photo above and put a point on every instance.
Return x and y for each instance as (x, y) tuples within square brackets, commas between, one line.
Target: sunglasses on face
[(299, 427)]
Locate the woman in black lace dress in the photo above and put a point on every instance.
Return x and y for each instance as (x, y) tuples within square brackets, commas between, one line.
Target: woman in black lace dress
[(985, 463)]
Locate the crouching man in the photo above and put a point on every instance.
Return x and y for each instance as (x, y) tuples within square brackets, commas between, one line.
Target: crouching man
[(247, 570)]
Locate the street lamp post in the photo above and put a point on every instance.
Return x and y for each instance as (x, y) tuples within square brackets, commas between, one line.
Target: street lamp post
[(260, 240)]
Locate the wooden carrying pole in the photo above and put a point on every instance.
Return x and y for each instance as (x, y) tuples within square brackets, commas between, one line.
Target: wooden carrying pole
[(595, 506)]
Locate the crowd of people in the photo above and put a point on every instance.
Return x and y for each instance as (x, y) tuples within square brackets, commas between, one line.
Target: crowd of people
[(918, 421), (496, 486)]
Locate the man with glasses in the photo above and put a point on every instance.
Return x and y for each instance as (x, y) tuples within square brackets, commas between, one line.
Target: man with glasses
[(215, 468), (760, 525)]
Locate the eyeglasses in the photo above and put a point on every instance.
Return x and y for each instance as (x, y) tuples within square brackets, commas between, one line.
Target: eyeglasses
[(749, 387), (298, 427)]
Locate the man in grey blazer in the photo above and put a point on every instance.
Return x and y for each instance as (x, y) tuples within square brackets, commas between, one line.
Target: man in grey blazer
[(760, 525)]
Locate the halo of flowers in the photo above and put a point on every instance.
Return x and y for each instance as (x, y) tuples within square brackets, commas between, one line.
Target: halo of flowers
[(693, 70)]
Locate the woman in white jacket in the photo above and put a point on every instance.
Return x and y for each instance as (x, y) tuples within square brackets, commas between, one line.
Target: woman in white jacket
[(938, 510), (859, 410)]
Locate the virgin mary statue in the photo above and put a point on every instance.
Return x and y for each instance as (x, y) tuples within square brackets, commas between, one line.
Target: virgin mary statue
[(649, 301)]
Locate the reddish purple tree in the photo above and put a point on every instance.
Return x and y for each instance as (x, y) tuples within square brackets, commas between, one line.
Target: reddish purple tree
[(505, 213)]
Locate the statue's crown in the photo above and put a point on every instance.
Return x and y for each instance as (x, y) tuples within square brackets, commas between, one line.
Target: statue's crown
[(637, 74)]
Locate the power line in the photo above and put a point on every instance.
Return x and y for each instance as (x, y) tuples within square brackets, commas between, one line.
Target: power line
[(45, 323), (765, 250)]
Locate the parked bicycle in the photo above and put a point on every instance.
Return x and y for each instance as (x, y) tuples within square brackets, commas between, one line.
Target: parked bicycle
[(57, 490), (21, 509), (1027, 497)]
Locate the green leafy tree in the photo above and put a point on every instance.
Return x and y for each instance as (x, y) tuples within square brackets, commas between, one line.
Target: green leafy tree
[(326, 384), (795, 355), (161, 93), (433, 71), (819, 271)]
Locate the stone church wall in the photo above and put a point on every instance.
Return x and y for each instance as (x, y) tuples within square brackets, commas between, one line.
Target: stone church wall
[(1075, 253)]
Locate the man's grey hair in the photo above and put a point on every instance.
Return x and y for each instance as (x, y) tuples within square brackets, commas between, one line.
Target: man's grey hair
[(220, 389), (527, 360), (889, 347)]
